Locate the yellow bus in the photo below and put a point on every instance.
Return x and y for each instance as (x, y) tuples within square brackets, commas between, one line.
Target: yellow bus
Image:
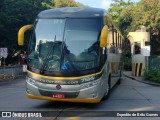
[(74, 55)]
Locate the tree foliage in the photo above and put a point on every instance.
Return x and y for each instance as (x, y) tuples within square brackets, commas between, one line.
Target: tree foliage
[(64, 3), (116, 8)]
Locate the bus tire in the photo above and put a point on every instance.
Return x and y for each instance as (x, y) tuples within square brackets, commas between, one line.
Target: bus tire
[(106, 95)]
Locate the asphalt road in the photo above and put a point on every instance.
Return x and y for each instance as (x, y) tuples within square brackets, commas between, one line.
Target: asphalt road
[(130, 95)]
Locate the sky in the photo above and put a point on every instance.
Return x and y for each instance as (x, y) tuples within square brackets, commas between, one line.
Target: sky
[(99, 3)]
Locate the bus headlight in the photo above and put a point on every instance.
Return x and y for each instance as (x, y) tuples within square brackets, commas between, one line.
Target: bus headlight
[(90, 84), (31, 81)]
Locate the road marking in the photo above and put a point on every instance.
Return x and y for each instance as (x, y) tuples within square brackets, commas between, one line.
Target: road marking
[(70, 116), (65, 115)]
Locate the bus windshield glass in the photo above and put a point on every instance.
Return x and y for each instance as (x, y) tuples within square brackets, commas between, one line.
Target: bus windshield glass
[(65, 44), (81, 39)]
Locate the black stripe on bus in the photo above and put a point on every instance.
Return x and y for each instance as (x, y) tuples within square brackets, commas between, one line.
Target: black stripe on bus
[(140, 69)]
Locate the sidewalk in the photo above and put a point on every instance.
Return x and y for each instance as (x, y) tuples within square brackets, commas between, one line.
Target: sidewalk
[(139, 79)]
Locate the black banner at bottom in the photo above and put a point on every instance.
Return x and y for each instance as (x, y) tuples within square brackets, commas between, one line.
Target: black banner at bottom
[(78, 113)]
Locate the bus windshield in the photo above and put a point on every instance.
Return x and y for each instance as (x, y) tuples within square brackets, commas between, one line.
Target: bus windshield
[(65, 44)]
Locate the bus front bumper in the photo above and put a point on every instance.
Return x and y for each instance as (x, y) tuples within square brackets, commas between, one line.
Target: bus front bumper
[(97, 100), (87, 95)]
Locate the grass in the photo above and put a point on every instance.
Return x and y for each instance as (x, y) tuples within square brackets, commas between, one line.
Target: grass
[(153, 74)]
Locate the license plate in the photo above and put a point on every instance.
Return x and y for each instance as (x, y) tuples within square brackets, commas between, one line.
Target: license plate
[(58, 95)]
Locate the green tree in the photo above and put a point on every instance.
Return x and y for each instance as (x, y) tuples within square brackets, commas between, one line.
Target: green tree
[(66, 3), (116, 8)]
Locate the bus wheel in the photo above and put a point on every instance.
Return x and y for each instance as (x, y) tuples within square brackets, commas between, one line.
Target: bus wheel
[(106, 95)]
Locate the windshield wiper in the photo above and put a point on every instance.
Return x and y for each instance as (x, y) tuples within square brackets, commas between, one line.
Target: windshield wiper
[(48, 54)]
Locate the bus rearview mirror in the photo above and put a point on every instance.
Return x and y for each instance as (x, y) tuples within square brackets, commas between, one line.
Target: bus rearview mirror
[(104, 36), (21, 32)]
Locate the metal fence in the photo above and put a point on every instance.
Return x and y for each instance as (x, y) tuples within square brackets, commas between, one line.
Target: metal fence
[(12, 72), (154, 62)]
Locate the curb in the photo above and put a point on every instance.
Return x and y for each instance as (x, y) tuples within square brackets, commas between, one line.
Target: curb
[(146, 82)]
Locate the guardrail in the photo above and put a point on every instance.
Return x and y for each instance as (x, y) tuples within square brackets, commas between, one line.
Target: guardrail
[(12, 72)]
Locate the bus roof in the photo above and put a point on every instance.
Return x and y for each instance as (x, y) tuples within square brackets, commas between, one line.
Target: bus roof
[(71, 12)]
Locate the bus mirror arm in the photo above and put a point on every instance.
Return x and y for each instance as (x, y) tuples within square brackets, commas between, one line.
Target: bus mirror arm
[(104, 36), (21, 32)]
